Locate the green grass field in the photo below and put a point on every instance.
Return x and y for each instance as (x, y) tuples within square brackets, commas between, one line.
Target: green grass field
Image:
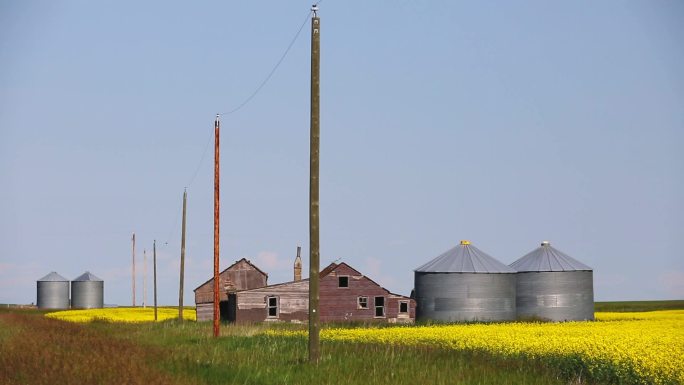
[(623, 306), (37, 350)]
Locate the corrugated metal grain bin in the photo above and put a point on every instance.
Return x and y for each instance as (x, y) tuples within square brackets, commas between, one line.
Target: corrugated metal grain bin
[(551, 285), (52, 292), (465, 284), (87, 292)]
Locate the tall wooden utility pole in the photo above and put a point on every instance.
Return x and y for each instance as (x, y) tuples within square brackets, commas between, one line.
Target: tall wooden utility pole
[(182, 262), (314, 258), (217, 127), (133, 270), (144, 278), (154, 257)]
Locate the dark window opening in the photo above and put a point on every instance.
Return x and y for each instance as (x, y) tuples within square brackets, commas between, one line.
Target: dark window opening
[(343, 281), (363, 302), (379, 306), (272, 306), (403, 307)]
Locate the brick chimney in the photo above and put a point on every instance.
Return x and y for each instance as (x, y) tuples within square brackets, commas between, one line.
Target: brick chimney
[(298, 265)]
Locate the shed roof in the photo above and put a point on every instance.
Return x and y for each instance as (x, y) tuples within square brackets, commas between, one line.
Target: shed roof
[(53, 277), (547, 258), (87, 276), (464, 258), (231, 267)]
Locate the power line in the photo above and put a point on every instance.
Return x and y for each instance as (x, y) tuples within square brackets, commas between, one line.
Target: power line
[(173, 227), (270, 74), (239, 107), (199, 165)]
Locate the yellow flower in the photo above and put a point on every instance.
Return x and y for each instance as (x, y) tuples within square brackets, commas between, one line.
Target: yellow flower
[(121, 314), (644, 347)]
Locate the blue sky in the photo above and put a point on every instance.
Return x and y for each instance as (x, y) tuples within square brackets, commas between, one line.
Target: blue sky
[(502, 123)]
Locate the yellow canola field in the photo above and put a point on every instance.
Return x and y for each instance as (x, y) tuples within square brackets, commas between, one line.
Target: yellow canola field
[(638, 348), (122, 314)]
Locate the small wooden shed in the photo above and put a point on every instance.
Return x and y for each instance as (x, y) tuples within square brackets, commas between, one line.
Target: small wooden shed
[(241, 275), (345, 295)]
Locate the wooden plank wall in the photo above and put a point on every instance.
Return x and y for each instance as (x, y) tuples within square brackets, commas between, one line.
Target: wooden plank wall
[(293, 303), (205, 311), (339, 304)]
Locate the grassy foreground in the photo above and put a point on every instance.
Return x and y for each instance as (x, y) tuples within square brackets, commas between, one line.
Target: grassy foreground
[(35, 349), (38, 350)]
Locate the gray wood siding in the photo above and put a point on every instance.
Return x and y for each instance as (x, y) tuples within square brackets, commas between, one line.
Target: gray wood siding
[(205, 311), (293, 302)]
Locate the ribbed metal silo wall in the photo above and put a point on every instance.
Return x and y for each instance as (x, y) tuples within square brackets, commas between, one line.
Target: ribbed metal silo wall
[(52, 294), (87, 294), (452, 297), (556, 296)]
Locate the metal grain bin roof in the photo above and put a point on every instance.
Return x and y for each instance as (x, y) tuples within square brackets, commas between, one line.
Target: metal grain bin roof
[(87, 276), (53, 277), (547, 258), (464, 258)]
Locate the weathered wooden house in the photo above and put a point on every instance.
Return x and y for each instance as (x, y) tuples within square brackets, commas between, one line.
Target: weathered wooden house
[(239, 276), (345, 295)]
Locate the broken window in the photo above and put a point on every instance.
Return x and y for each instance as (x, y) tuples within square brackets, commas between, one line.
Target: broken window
[(272, 307), (403, 307), (379, 306), (343, 281), (363, 303)]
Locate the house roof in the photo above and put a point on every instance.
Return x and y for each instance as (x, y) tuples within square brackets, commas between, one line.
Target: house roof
[(464, 258), (333, 266), (548, 258), (230, 267), (325, 272), (322, 274), (273, 285), (328, 269)]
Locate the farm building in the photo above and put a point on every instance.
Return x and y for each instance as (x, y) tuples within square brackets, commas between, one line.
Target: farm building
[(553, 286), (345, 295), (465, 284), (241, 275)]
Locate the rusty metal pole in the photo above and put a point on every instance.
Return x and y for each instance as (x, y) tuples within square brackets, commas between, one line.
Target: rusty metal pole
[(182, 261), (133, 270), (217, 127), (154, 258), (314, 252)]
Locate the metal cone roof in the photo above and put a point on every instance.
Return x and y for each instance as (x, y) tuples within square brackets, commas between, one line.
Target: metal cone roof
[(547, 258), (87, 276), (464, 258), (53, 277)]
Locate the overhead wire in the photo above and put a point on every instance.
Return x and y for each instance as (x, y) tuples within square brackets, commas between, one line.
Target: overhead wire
[(173, 227), (273, 70), (199, 165), (239, 107)]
